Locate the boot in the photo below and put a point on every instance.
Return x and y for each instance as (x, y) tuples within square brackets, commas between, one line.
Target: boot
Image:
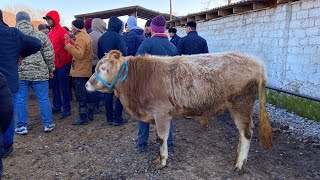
[(109, 121), (119, 121), (90, 115), (83, 120)]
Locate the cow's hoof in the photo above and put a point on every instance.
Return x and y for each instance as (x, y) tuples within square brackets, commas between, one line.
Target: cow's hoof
[(160, 166), (239, 170), (157, 161)]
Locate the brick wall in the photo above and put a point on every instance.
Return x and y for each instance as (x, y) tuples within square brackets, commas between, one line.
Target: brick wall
[(285, 38)]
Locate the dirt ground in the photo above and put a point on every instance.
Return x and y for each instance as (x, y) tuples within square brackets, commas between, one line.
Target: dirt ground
[(97, 151)]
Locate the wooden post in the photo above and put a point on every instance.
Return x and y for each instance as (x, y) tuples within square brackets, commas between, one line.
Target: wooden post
[(170, 10)]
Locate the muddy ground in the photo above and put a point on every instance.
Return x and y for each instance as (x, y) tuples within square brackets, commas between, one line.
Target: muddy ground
[(97, 151)]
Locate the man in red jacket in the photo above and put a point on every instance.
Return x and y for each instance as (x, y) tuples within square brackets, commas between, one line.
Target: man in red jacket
[(62, 62)]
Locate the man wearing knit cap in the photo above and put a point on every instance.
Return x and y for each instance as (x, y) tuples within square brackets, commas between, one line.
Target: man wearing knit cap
[(81, 69), (35, 73), (159, 45), (12, 45), (87, 25), (44, 28), (60, 81), (192, 43), (134, 37)]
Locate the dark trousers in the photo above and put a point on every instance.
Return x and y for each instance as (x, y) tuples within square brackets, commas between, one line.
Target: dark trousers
[(60, 84), (6, 116), (112, 114), (85, 99)]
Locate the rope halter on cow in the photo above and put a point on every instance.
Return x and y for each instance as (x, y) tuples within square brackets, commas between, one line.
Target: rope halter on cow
[(123, 68)]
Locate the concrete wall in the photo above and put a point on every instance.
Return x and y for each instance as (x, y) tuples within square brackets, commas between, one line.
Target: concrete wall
[(286, 38)]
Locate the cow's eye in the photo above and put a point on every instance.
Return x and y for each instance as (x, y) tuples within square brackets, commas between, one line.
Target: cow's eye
[(104, 68)]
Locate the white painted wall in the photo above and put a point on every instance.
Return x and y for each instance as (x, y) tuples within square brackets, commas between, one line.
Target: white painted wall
[(286, 38)]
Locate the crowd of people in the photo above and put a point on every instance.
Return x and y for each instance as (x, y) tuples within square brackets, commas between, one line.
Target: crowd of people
[(49, 55)]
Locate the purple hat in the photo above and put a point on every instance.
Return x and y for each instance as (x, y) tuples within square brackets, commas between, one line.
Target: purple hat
[(158, 24)]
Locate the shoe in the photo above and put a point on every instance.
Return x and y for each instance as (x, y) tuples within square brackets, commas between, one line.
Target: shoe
[(90, 117), (80, 122), (49, 128), (65, 114), (21, 130), (119, 121), (109, 121), (56, 110), (7, 151)]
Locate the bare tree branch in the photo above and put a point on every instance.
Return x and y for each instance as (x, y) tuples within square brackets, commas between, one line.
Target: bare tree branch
[(35, 14)]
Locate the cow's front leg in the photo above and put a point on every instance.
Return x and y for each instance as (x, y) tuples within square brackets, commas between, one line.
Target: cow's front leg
[(163, 126)]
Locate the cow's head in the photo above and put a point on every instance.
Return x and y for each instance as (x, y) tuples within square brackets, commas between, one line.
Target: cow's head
[(106, 69)]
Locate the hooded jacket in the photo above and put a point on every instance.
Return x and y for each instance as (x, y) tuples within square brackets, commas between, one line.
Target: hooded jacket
[(112, 39), (12, 44), (82, 55), (98, 27), (56, 35), (134, 37), (37, 66)]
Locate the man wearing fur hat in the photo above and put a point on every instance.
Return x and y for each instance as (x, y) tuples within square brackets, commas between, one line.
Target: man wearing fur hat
[(81, 69), (159, 45)]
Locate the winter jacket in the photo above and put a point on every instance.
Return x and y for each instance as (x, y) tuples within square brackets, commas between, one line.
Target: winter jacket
[(175, 40), (112, 39), (134, 40), (56, 35), (6, 105), (12, 44), (158, 44), (192, 43), (37, 66), (82, 55), (98, 28)]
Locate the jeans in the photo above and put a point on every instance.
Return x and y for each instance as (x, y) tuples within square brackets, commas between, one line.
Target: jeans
[(143, 134), (41, 91), (85, 99), (111, 113), (7, 136), (60, 83)]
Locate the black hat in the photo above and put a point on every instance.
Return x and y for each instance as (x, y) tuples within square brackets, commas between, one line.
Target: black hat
[(148, 23), (41, 27), (47, 18), (172, 30), (192, 24), (78, 24)]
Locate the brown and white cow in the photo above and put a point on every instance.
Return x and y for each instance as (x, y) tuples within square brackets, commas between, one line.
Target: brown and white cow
[(157, 88)]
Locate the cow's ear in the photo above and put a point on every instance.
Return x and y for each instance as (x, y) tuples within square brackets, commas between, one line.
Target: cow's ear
[(115, 54)]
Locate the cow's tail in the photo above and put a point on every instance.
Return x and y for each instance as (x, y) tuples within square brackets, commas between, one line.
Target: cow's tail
[(265, 130)]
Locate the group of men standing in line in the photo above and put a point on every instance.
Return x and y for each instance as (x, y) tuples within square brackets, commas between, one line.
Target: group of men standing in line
[(57, 54)]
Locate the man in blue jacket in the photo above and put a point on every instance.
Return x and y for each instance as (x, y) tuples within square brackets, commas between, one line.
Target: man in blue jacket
[(174, 37), (159, 45), (113, 40), (192, 43), (134, 37), (13, 44)]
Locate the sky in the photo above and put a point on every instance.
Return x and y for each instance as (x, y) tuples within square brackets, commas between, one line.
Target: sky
[(67, 8)]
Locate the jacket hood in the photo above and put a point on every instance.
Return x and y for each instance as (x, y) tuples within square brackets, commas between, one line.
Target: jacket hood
[(132, 23), (25, 26), (137, 31), (115, 24), (98, 25), (54, 16)]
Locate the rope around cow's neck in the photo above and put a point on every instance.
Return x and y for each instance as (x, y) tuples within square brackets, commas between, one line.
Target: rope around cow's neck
[(123, 68)]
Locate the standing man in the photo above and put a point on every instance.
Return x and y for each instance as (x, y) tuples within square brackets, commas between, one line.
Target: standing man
[(174, 37), (112, 40), (159, 45), (81, 69), (12, 45), (62, 61), (44, 28), (192, 43), (147, 29), (34, 72), (98, 28), (134, 37)]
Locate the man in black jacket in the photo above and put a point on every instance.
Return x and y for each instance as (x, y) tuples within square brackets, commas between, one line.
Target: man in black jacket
[(14, 45), (192, 43)]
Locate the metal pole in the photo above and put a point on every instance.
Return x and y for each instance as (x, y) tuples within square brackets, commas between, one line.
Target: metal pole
[(293, 93), (170, 10)]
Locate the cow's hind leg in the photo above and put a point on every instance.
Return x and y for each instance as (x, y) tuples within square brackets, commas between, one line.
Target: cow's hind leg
[(163, 126), (241, 108)]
